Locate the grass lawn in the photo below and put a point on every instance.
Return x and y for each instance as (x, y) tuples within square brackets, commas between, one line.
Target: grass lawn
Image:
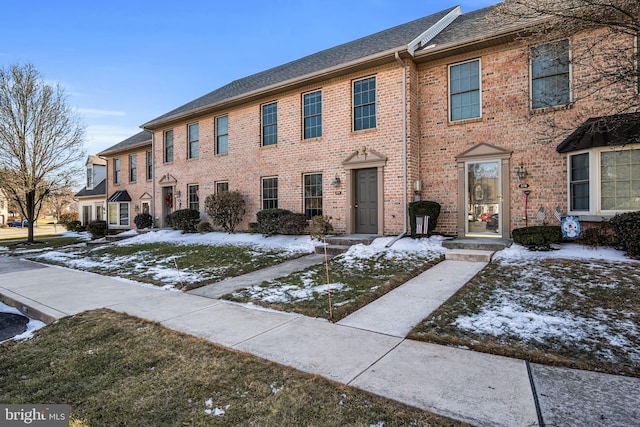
[(355, 279), (167, 264), (579, 313), (113, 369), (40, 243)]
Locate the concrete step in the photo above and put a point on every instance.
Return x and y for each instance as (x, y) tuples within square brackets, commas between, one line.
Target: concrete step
[(350, 240), (480, 244), (332, 249), (469, 255)]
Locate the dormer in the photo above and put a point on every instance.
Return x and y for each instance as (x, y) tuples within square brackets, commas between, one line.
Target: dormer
[(96, 171)]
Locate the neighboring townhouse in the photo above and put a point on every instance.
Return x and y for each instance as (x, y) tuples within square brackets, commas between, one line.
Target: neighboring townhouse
[(129, 183), (450, 107), (91, 199), (4, 209)]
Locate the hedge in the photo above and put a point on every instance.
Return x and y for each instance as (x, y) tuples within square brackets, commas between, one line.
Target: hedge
[(424, 208), (627, 230), (538, 238), (185, 220)]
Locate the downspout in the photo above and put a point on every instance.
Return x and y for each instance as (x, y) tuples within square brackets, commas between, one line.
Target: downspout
[(153, 179), (404, 149)]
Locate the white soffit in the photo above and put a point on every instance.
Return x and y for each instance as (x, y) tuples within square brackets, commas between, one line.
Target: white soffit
[(434, 30)]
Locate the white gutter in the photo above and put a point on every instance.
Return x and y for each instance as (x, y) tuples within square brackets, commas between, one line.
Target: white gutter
[(153, 179), (404, 150)]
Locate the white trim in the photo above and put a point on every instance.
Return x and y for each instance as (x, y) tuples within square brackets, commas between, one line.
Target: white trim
[(433, 31)]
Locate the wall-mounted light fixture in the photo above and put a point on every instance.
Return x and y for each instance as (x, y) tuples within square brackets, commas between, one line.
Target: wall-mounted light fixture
[(335, 182), (521, 171), (136, 208)]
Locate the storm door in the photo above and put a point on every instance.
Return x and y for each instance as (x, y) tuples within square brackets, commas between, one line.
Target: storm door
[(483, 199)]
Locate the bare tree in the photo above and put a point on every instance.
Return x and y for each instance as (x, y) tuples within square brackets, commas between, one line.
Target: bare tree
[(41, 139), (60, 198), (607, 55)]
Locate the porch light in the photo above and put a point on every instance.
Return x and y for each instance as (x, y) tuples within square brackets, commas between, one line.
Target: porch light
[(335, 182), (521, 171)]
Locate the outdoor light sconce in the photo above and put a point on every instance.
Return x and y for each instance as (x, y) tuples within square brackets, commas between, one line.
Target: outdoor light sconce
[(521, 171), (177, 194), (136, 208), (335, 182)]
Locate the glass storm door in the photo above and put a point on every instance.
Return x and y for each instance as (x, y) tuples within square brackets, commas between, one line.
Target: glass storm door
[(483, 199)]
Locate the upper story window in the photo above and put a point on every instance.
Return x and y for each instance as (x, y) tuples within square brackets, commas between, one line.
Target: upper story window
[(550, 75), (133, 167), (270, 124), (89, 177), (194, 198), (168, 146), (312, 114), (194, 135), (464, 90), (364, 104), (149, 165), (604, 181), (312, 195), (270, 193), (116, 170), (222, 186), (222, 135)]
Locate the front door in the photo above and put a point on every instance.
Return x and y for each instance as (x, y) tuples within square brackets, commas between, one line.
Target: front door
[(483, 199), (366, 196)]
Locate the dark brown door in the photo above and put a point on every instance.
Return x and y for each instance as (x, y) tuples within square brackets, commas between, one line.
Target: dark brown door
[(366, 201)]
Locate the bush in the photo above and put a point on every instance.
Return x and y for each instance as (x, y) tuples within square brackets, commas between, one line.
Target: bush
[(143, 220), (226, 209), (627, 231), (67, 217), (204, 227), (320, 226), (75, 226), (538, 238), (184, 220), (97, 229), (601, 234), (269, 220), (292, 223), (424, 208)]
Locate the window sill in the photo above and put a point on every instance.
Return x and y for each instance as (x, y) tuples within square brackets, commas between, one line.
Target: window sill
[(364, 131), (465, 121), (268, 147), (224, 154), (544, 110), (310, 140)]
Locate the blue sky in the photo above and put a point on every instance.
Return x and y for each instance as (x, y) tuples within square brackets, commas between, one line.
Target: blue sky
[(123, 63)]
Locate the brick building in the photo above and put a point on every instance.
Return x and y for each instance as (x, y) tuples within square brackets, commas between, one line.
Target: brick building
[(454, 108)]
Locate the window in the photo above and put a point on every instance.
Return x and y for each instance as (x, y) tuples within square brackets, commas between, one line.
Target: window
[(168, 146), (269, 193), (149, 165), (222, 135), (193, 134), (194, 199), (116, 170), (270, 124), (604, 181), (364, 104), (222, 186), (550, 81), (89, 177), (119, 214), (464, 90), (312, 195), (133, 167), (312, 114), (99, 213), (146, 209)]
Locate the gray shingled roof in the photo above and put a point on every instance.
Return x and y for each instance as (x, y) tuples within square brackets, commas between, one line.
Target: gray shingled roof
[(396, 37), (98, 190), (139, 139)]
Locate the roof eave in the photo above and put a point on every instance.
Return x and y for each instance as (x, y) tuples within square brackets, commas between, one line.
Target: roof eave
[(380, 58), (111, 151)]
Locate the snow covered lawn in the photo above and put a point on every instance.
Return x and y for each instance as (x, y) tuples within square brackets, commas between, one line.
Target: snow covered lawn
[(184, 261), (575, 306), (356, 278)]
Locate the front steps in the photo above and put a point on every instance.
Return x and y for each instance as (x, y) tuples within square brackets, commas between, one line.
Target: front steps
[(472, 255), (474, 249), (336, 245)]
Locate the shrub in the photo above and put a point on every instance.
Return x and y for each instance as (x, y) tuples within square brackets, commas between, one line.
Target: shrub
[(67, 217), (601, 234), (538, 238), (97, 229), (184, 220), (320, 226), (143, 220), (424, 208), (269, 220), (75, 226), (226, 209), (204, 227), (292, 223), (627, 232)]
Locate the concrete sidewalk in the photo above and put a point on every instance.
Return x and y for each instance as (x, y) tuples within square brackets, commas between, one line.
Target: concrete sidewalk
[(479, 388)]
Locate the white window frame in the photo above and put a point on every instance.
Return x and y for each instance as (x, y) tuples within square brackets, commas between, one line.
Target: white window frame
[(118, 223), (570, 76), (595, 182), (449, 118)]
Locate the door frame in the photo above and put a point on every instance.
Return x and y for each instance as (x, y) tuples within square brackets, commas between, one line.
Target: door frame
[(363, 159), (484, 152)]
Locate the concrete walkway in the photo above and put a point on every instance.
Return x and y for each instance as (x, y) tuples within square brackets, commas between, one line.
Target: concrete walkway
[(482, 389)]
